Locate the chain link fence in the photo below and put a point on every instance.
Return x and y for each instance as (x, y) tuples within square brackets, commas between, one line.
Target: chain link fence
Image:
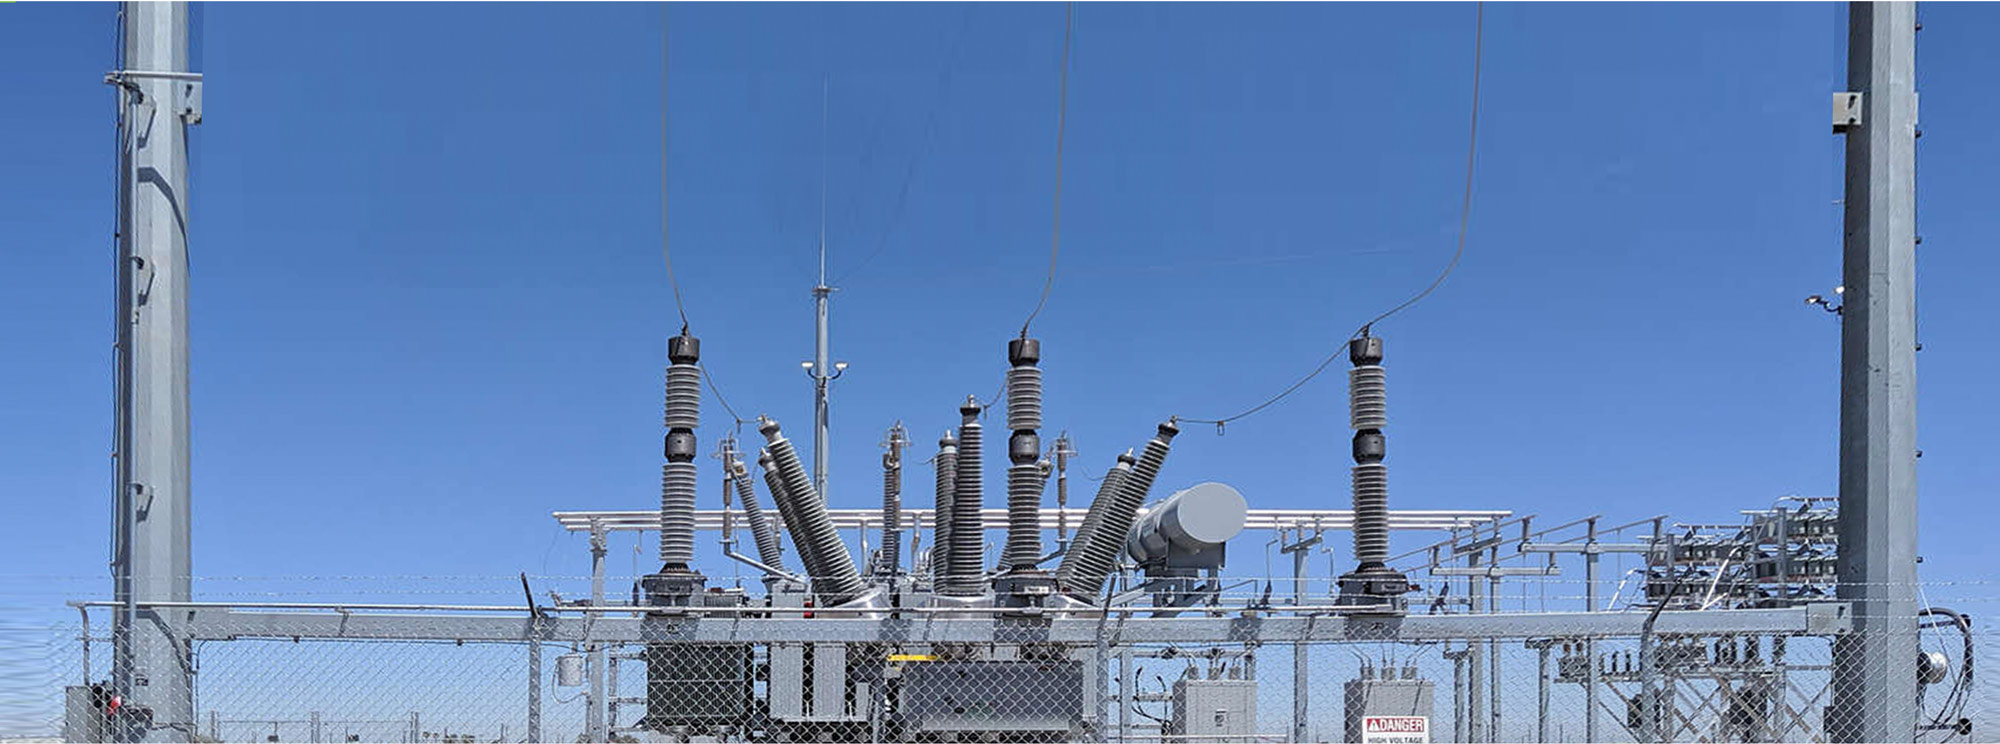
[(1241, 675)]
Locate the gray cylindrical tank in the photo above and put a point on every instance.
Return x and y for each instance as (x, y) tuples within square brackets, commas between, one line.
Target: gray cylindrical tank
[(569, 670), (1188, 522)]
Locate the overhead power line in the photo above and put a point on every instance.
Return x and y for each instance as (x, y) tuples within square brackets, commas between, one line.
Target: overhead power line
[(1464, 224), (1062, 116), (666, 250)]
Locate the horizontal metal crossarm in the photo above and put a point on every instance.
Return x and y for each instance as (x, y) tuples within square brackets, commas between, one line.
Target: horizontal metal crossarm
[(201, 622), (996, 519)]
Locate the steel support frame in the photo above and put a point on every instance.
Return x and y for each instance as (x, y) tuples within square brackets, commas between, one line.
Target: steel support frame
[(218, 622)]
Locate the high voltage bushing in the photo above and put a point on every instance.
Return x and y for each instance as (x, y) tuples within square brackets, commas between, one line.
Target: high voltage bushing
[(941, 522), (962, 569), (1368, 414), (677, 478), (1024, 478), (1087, 562), (768, 551), (892, 500), (1109, 536), (1372, 583), (676, 579), (776, 482), (834, 578), (677, 500)]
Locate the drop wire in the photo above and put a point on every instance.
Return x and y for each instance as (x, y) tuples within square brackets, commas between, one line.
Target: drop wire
[(666, 251), (1464, 223), (1062, 117)]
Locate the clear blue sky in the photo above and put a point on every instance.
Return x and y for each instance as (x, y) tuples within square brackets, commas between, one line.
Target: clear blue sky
[(429, 305)]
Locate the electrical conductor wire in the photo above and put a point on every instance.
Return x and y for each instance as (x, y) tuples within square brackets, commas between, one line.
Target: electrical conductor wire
[(1062, 116), (1471, 157), (1464, 224), (665, 252)]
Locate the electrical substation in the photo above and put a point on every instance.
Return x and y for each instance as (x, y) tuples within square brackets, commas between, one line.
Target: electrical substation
[(962, 616)]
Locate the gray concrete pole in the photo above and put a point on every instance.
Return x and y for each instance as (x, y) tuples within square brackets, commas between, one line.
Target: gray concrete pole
[(158, 99), (1874, 687)]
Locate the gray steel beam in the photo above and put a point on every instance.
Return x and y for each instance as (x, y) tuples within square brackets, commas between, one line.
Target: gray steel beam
[(1475, 659), (1874, 690), (1541, 690), (710, 520), (535, 689), (208, 622), (593, 712), (1590, 646), (1493, 677), (1301, 675), (158, 97)]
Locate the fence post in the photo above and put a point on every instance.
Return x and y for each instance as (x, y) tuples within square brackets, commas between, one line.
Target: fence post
[(1542, 691), (535, 681)]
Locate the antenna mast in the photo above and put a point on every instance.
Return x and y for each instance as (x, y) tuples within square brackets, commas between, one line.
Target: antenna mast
[(822, 369)]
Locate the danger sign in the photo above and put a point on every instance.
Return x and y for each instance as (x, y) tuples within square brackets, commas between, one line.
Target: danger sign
[(1395, 730)]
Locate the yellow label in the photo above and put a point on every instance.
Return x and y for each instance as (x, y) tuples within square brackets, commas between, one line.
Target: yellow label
[(912, 657)]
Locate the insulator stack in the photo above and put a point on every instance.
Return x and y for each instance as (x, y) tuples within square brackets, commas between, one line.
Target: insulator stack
[(1368, 409), (776, 483), (962, 569), (1108, 536), (892, 501), (1368, 398), (834, 578), (683, 396), (1024, 486), (1135, 486), (1082, 560), (1024, 477), (677, 503), (768, 551), (677, 477), (1371, 497), (1024, 388), (941, 522)]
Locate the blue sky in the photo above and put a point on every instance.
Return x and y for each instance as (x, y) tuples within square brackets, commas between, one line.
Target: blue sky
[(429, 304)]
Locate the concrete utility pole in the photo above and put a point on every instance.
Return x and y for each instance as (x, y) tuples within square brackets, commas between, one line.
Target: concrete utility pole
[(1874, 684), (158, 97)]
